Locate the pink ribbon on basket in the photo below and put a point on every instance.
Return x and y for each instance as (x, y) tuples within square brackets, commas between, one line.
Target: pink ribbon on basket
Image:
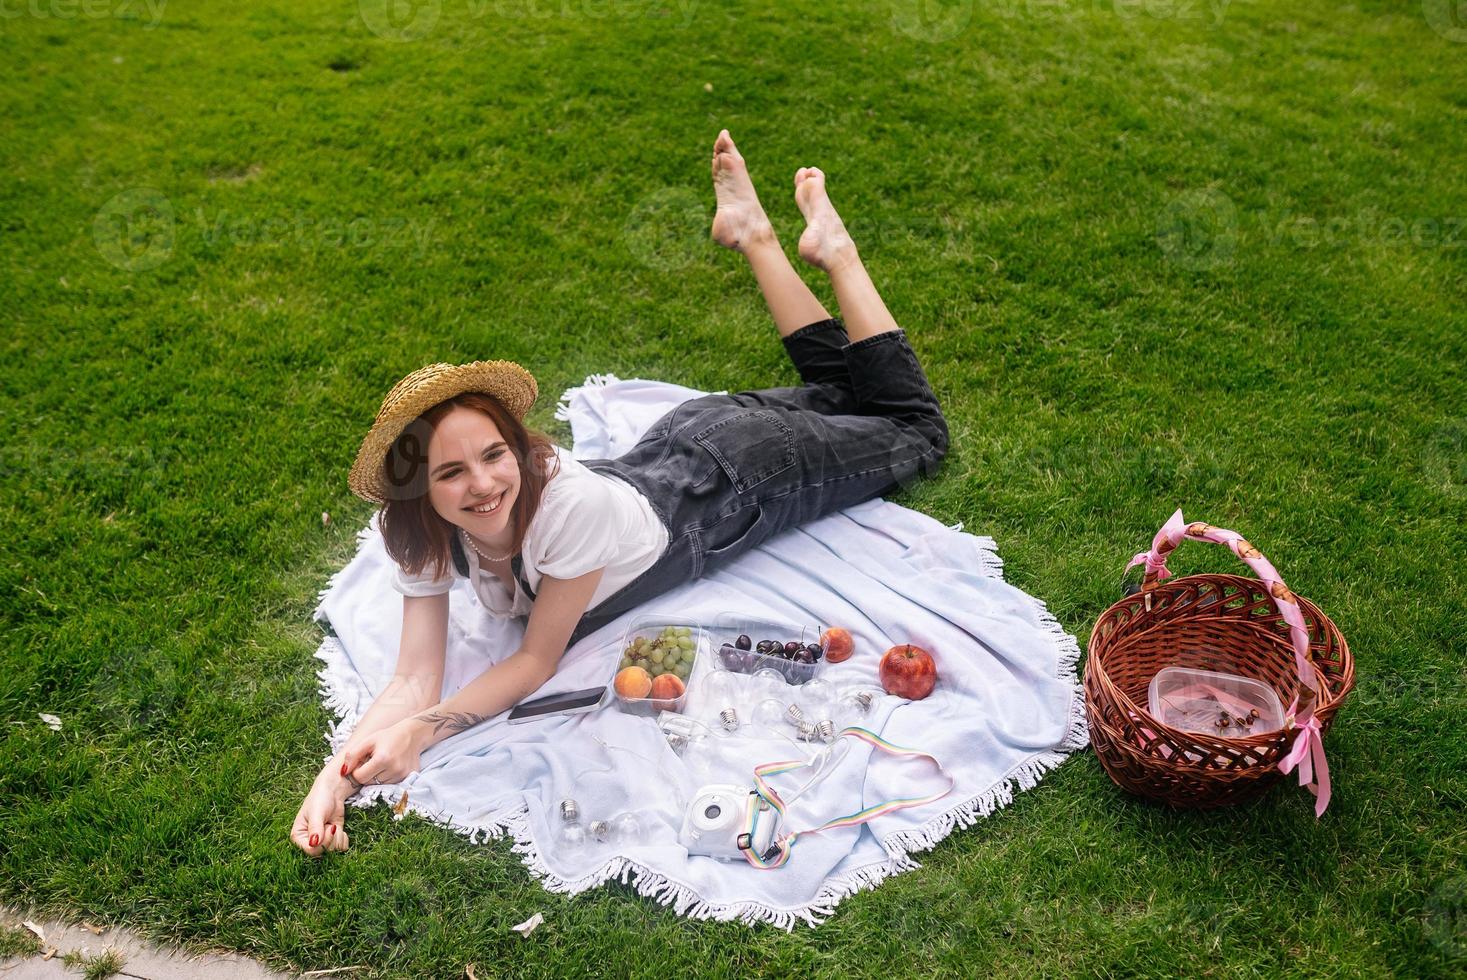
[(1308, 755), (1308, 750)]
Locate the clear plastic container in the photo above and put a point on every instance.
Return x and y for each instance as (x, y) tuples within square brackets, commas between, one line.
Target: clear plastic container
[(1198, 701), (728, 627), (651, 630)]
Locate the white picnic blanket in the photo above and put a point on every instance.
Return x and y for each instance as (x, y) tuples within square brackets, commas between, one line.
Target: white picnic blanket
[(1007, 708)]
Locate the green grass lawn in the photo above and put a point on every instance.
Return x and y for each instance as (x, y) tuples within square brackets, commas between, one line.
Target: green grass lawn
[(1152, 255)]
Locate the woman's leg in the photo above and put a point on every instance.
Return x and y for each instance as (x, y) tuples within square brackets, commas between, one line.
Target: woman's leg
[(741, 224), (827, 245)]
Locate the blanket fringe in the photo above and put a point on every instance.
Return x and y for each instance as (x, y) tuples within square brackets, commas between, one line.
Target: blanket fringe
[(989, 564), (1077, 731), (562, 410), (683, 900), (1022, 777), (333, 655)]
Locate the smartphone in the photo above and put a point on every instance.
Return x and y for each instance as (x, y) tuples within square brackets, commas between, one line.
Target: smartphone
[(569, 703)]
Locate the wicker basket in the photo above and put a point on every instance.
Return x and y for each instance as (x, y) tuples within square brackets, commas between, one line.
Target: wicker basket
[(1256, 628)]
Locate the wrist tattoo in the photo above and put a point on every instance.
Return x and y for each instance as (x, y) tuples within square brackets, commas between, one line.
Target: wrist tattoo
[(447, 723)]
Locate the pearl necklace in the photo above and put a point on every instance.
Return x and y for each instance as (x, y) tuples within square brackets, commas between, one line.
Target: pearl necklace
[(470, 540)]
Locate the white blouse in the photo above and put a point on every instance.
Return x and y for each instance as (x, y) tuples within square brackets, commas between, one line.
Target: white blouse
[(585, 521)]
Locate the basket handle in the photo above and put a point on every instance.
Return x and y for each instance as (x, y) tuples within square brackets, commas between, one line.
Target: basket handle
[(1307, 753), (1176, 530)]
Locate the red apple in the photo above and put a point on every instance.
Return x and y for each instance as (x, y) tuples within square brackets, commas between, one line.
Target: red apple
[(908, 672), (838, 645)]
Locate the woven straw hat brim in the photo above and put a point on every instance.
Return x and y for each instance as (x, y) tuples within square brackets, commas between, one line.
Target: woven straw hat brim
[(507, 381)]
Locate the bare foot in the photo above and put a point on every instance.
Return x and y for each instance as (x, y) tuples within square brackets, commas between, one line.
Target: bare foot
[(825, 243), (740, 220)]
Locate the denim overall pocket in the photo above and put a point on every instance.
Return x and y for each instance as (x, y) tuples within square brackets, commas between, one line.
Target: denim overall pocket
[(751, 447)]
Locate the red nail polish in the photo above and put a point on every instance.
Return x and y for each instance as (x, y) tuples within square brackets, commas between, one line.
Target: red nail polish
[(315, 839), (331, 827), (343, 768)]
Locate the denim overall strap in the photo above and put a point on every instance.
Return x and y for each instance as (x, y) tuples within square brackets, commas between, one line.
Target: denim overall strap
[(516, 566)]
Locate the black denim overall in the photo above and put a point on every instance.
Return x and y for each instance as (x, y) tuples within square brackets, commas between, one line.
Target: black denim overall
[(727, 472)]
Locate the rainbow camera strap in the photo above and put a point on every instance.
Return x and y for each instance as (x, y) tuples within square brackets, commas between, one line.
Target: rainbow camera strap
[(780, 852)]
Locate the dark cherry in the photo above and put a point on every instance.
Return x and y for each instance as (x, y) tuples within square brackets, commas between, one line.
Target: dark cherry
[(743, 642), (792, 646), (814, 649), (804, 657)]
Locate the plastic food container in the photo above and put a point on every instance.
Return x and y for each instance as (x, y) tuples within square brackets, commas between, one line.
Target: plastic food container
[(646, 643), (728, 627), (1197, 701)]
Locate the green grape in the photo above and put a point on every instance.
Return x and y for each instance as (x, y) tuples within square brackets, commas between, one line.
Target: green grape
[(682, 671), (625, 663), (657, 656)]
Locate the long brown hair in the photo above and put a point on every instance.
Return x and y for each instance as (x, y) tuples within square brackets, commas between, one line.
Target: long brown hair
[(415, 536)]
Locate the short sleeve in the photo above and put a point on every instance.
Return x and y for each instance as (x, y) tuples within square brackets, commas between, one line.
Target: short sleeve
[(582, 530), (419, 585)]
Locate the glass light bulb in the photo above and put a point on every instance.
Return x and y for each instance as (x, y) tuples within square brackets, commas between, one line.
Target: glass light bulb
[(769, 682), (814, 700), (721, 687), (858, 703), (626, 829), (816, 694), (572, 836), (817, 700), (769, 714), (682, 732)]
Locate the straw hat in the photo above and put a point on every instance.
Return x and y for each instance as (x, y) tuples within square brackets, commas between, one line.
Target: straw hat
[(415, 394)]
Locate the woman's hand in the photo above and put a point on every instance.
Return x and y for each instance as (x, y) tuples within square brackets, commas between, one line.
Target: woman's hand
[(388, 756), (319, 826)]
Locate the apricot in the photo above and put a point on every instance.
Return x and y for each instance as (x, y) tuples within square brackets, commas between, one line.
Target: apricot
[(666, 689), (838, 644), (632, 683)]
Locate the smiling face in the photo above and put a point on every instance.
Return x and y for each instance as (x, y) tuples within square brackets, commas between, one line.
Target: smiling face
[(471, 466)]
